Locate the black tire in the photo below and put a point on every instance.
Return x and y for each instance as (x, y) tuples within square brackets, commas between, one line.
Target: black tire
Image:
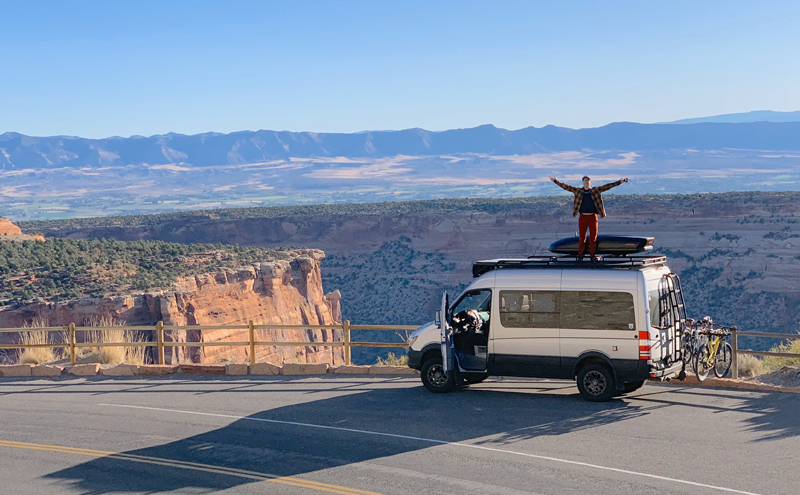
[(723, 361), (701, 366), (596, 383), (433, 377), (472, 380)]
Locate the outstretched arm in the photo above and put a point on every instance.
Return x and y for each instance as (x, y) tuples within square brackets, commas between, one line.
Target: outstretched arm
[(563, 186), (606, 187)]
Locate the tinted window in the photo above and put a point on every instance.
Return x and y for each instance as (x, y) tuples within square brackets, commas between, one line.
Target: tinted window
[(597, 310), (662, 306), (478, 299), (655, 308), (529, 309)]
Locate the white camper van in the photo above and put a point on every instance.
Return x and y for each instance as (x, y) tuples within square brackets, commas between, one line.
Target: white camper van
[(610, 324)]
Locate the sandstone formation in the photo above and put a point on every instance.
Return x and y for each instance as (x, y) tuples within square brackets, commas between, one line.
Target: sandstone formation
[(8, 228), (10, 232), (279, 292)]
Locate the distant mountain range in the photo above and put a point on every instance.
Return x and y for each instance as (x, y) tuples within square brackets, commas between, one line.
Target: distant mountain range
[(18, 151), (63, 176), (739, 118)]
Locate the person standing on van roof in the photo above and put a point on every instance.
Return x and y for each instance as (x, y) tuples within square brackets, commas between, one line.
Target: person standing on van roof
[(589, 204)]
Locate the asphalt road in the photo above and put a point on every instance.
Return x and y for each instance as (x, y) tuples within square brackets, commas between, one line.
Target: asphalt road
[(332, 434)]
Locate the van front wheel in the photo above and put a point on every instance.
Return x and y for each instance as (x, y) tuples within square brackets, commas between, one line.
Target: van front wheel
[(596, 383), (434, 378)]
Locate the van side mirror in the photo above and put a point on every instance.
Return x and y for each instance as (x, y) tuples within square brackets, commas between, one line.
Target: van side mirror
[(437, 319)]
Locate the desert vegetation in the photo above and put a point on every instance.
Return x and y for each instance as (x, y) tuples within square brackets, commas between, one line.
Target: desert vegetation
[(61, 269), (492, 206), (108, 332), (753, 366)]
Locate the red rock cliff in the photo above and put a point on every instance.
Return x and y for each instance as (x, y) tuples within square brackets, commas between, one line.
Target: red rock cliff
[(279, 292), (8, 228)]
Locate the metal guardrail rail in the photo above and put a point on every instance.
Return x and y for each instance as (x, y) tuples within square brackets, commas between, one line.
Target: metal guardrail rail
[(160, 343), (735, 334)]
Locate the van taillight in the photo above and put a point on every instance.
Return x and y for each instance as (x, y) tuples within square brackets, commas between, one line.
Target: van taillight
[(644, 345)]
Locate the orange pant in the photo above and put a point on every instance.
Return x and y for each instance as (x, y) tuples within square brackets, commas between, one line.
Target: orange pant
[(587, 222)]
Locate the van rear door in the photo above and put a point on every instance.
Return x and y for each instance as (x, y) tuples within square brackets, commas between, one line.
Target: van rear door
[(667, 318)]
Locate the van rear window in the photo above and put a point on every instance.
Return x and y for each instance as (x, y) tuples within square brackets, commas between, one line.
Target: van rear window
[(590, 310)]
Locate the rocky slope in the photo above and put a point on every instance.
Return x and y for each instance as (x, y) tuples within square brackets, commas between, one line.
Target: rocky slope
[(277, 292)]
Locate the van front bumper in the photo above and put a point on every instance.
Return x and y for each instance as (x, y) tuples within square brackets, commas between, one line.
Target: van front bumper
[(414, 359)]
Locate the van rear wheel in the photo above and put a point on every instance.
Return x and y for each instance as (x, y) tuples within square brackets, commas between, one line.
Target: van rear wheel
[(596, 383), (434, 378)]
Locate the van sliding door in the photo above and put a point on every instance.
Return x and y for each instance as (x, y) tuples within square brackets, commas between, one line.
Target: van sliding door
[(525, 336)]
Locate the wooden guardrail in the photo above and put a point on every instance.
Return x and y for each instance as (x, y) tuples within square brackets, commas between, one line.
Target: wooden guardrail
[(735, 334), (72, 343)]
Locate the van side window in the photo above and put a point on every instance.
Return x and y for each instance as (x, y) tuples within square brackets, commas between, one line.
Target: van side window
[(529, 309), (597, 310)]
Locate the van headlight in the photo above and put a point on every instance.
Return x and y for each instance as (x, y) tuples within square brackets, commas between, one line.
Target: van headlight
[(413, 339)]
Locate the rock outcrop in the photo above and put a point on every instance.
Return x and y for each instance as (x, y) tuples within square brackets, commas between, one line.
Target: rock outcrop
[(273, 293), (8, 228), (10, 232)]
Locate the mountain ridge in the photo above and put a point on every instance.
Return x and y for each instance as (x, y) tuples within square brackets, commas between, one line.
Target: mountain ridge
[(18, 151), (743, 117)]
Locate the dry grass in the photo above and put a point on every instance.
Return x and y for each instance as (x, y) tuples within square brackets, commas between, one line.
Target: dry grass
[(752, 366), (114, 354), (775, 363), (392, 360), (37, 355)]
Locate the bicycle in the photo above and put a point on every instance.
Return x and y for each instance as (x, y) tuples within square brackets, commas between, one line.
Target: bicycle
[(717, 353), (692, 338)]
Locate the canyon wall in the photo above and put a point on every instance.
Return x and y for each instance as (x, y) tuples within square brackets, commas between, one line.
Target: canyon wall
[(738, 254), (277, 292)]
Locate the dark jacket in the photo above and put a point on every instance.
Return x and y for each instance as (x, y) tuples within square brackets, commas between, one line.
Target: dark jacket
[(596, 196)]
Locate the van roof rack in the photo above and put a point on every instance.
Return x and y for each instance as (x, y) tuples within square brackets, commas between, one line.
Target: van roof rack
[(533, 262)]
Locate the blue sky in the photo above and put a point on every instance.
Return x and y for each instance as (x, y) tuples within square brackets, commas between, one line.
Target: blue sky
[(98, 69)]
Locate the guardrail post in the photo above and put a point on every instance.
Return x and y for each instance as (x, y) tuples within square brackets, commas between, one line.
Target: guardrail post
[(347, 360), (735, 356), (252, 329), (160, 337), (72, 344)]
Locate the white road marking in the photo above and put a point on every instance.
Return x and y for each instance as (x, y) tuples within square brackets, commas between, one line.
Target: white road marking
[(439, 442)]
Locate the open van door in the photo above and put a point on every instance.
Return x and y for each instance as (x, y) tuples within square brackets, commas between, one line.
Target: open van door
[(447, 335)]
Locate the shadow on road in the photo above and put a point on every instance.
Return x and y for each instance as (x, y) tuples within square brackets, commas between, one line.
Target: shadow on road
[(486, 415)]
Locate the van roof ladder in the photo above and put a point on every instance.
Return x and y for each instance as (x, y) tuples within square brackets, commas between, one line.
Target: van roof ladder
[(672, 306)]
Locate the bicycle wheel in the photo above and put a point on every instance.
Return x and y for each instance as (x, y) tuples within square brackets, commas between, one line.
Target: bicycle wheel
[(701, 363), (723, 361), (687, 350)]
